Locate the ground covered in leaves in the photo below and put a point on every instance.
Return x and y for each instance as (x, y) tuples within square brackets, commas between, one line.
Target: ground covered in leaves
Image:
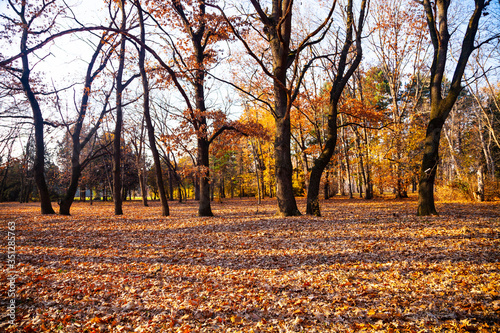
[(371, 266)]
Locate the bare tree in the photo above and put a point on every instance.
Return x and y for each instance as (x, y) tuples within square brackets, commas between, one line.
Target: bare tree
[(27, 17), (78, 140), (345, 68), (147, 116), (441, 103)]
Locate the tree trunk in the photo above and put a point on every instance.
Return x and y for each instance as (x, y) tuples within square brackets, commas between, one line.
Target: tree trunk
[(259, 190), (4, 180), (480, 184), (437, 16), (222, 187), (321, 162), (326, 186), (171, 184), (348, 168), (428, 169), (196, 184), (400, 184), (338, 85), (39, 163), (179, 191), (142, 185), (272, 181), (361, 165), (149, 124), (69, 197), (369, 184), (287, 205), (117, 176), (305, 170), (204, 208), (340, 177)]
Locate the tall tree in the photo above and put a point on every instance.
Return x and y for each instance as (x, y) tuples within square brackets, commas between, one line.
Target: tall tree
[(78, 143), (26, 18), (346, 67), (147, 115), (195, 53), (285, 50), (117, 177), (138, 142), (441, 103)]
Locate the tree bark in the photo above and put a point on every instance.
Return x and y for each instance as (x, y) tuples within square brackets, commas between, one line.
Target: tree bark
[(279, 39), (142, 185), (369, 184), (361, 165), (321, 162), (428, 169), (67, 200), (196, 184), (480, 183)]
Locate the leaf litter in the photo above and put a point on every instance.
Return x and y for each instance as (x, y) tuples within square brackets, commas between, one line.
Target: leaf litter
[(363, 266)]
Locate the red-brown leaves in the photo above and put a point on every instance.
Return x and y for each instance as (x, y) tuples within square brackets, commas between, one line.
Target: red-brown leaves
[(363, 266)]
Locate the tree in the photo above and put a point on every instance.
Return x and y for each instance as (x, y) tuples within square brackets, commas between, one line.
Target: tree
[(147, 116), (194, 54), (441, 103), (137, 139), (120, 89), (284, 53), (345, 69), (27, 17), (78, 139)]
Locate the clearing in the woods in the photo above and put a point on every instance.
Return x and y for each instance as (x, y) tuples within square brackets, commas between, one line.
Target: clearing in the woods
[(364, 265)]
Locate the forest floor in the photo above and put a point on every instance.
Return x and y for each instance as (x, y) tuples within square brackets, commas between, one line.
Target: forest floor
[(363, 266)]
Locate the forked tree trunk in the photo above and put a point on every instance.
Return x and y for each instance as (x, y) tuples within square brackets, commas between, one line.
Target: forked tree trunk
[(340, 81), (77, 167)]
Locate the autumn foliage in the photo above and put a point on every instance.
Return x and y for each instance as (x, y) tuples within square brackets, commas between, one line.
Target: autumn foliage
[(363, 266)]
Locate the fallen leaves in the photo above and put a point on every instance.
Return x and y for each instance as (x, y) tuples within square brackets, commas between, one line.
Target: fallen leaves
[(246, 271)]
